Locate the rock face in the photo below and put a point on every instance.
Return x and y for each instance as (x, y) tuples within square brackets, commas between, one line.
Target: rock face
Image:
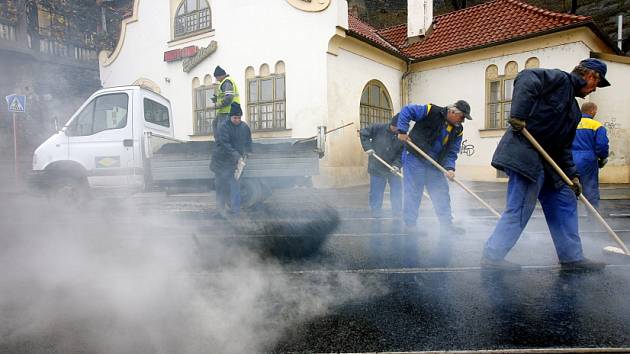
[(385, 13)]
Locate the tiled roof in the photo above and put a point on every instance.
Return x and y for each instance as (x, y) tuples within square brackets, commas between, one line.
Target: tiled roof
[(366, 31), (476, 26)]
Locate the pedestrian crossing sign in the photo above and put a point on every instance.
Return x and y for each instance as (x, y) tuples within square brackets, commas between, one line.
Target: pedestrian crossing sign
[(17, 103)]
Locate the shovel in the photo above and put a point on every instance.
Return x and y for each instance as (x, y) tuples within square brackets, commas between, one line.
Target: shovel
[(609, 249), (443, 170)]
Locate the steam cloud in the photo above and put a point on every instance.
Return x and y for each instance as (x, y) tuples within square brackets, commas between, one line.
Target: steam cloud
[(97, 282)]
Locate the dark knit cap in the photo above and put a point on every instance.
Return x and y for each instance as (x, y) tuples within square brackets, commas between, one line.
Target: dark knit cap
[(394, 120), (218, 71), (235, 110)]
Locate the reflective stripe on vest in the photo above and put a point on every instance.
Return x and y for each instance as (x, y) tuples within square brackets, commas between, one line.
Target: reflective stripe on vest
[(221, 96)]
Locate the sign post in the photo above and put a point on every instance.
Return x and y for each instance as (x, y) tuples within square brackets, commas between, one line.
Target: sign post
[(17, 104)]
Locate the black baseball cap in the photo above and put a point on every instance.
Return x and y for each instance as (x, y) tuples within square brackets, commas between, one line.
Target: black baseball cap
[(464, 107)]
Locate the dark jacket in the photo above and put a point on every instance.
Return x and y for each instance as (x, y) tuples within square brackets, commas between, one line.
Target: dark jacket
[(432, 133), (233, 141), (545, 100), (385, 144)]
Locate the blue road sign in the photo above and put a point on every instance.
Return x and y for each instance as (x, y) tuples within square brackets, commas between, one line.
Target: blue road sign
[(16, 103)]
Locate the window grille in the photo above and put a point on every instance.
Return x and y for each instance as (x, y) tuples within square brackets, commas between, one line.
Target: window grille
[(192, 16), (266, 103), (375, 105), (204, 110)]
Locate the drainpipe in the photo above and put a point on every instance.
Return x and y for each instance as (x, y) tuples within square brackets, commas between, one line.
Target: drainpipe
[(404, 87), (620, 32)]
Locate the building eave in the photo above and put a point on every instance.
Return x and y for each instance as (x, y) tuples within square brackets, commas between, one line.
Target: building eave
[(395, 53), (590, 24)]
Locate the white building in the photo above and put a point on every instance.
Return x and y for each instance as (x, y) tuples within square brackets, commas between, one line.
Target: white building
[(302, 64)]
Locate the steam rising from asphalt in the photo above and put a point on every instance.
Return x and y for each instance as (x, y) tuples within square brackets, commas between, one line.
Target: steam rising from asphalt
[(113, 280)]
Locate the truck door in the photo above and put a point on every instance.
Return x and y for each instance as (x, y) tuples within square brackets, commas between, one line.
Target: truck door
[(101, 140)]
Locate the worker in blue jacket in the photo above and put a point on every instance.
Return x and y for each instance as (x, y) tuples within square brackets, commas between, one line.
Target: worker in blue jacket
[(438, 132), (543, 101), (234, 142), (590, 152), (380, 139)]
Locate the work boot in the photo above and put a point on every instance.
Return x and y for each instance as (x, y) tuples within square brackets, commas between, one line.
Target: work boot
[(412, 230), (584, 265), (487, 263), (452, 230)]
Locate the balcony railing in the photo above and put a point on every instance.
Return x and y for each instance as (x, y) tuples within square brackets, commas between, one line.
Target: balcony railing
[(60, 49)]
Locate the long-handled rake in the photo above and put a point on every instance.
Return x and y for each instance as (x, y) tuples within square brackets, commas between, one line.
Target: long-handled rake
[(394, 170), (443, 170), (610, 249)]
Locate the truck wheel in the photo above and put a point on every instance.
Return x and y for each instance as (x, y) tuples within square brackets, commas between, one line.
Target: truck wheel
[(68, 191)]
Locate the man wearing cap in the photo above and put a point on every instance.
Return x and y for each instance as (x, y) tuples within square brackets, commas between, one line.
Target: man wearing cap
[(226, 93), (234, 142), (380, 139), (438, 132), (590, 151), (543, 101)]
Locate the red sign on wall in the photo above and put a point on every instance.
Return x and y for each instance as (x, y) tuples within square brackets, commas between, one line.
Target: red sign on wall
[(177, 54)]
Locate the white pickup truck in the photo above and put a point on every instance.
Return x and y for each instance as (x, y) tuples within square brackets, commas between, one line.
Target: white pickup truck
[(122, 139)]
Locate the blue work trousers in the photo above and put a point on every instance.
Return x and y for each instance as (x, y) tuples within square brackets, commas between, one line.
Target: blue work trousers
[(419, 173), (228, 192), (377, 189), (560, 209), (587, 167)]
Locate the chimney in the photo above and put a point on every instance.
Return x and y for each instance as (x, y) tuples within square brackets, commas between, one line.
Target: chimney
[(419, 18)]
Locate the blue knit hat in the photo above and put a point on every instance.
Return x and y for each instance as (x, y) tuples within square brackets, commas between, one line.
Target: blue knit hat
[(218, 71), (235, 110)]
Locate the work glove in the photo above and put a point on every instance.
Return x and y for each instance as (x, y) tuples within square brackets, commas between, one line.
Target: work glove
[(369, 151), (602, 162), (517, 124), (576, 187)]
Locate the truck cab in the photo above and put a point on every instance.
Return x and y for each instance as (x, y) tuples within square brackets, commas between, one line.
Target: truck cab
[(102, 145)]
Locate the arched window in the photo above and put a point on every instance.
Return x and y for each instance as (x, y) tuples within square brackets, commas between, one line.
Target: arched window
[(203, 107), (376, 106), (192, 16), (499, 94), (266, 99), (532, 62)]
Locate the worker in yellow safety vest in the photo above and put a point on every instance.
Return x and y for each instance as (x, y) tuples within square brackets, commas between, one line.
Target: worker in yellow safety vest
[(226, 93)]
